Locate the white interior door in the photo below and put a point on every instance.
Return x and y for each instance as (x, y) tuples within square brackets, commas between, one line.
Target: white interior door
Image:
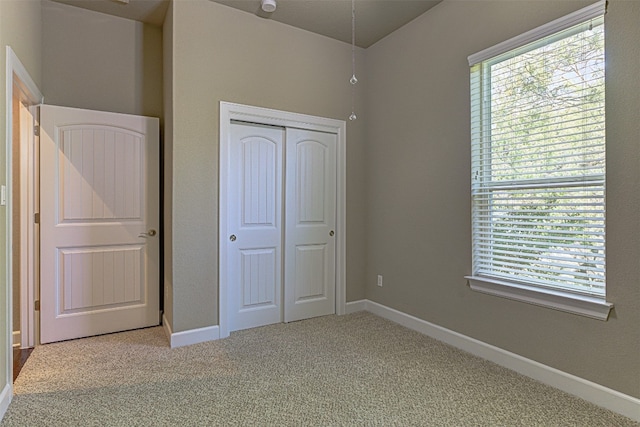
[(99, 189), (255, 226), (310, 224)]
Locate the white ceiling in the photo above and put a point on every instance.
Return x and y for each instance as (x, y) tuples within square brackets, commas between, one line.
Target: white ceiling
[(375, 19)]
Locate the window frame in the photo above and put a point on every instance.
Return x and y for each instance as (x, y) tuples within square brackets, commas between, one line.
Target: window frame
[(572, 302)]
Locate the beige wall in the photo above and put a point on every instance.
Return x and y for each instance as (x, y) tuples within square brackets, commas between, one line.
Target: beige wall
[(221, 54), (100, 62), (418, 183), (167, 156), (20, 29)]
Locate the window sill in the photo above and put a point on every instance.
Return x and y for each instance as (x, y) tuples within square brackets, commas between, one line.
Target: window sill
[(557, 300)]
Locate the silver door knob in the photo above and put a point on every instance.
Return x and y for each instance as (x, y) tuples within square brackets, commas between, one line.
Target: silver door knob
[(331, 233), (232, 237)]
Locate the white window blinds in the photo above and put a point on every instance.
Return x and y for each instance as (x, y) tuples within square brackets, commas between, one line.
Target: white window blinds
[(538, 162)]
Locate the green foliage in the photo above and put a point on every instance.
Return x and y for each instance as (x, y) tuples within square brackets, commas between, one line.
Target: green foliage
[(547, 110)]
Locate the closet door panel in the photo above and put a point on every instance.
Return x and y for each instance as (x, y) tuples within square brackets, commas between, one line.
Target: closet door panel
[(255, 226), (309, 284)]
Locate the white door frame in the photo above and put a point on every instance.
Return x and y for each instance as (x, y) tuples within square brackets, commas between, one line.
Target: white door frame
[(16, 73), (230, 111), (28, 199), (29, 252)]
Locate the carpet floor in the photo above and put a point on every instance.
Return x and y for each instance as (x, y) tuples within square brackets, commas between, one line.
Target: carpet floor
[(354, 370)]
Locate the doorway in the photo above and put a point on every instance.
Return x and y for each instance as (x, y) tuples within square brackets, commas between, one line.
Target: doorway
[(22, 97), (96, 234), (24, 230), (321, 142)]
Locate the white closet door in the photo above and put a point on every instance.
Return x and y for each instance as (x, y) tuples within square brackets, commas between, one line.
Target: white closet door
[(255, 226), (310, 224), (99, 219)]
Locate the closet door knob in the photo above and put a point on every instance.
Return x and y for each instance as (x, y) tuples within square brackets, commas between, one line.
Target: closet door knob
[(232, 237), (331, 233), (149, 233)]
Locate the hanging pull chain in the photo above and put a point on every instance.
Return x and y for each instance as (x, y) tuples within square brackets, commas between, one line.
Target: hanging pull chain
[(353, 79)]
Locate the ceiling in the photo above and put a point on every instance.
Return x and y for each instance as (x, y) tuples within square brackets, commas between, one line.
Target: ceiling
[(375, 19), (149, 11)]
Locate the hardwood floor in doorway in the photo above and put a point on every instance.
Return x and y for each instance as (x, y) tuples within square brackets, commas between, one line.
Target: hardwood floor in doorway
[(20, 356)]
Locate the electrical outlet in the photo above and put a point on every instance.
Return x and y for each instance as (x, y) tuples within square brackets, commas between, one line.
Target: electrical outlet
[(380, 280)]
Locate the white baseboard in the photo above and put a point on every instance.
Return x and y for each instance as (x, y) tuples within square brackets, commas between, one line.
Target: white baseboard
[(354, 306), (16, 339), (5, 399), (597, 394), (192, 336)]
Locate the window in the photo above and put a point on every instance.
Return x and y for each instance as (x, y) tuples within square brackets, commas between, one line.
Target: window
[(538, 162)]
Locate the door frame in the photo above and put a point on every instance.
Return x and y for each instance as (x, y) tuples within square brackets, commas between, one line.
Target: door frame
[(28, 199), (266, 116), (16, 73), (29, 286)]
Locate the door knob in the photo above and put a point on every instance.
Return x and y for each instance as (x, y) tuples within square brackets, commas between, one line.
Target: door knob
[(331, 233), (232, 237), (149, 233)]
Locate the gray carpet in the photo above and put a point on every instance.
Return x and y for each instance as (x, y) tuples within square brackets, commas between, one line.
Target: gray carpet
[(355, 370)]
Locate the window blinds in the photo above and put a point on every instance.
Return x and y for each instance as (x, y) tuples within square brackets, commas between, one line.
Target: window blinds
[(538, 162)]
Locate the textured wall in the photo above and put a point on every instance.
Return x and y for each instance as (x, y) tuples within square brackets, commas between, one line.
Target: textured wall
[(418, 183), (221, 54), (100, 62), (17, 29), (167, 155)]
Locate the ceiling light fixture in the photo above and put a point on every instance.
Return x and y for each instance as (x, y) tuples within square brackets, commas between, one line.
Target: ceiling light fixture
[(268, 5), (353, 79)]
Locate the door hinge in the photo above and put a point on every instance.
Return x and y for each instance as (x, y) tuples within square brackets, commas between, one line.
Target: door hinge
[(36, 130), (36, 218), (36, 305)]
